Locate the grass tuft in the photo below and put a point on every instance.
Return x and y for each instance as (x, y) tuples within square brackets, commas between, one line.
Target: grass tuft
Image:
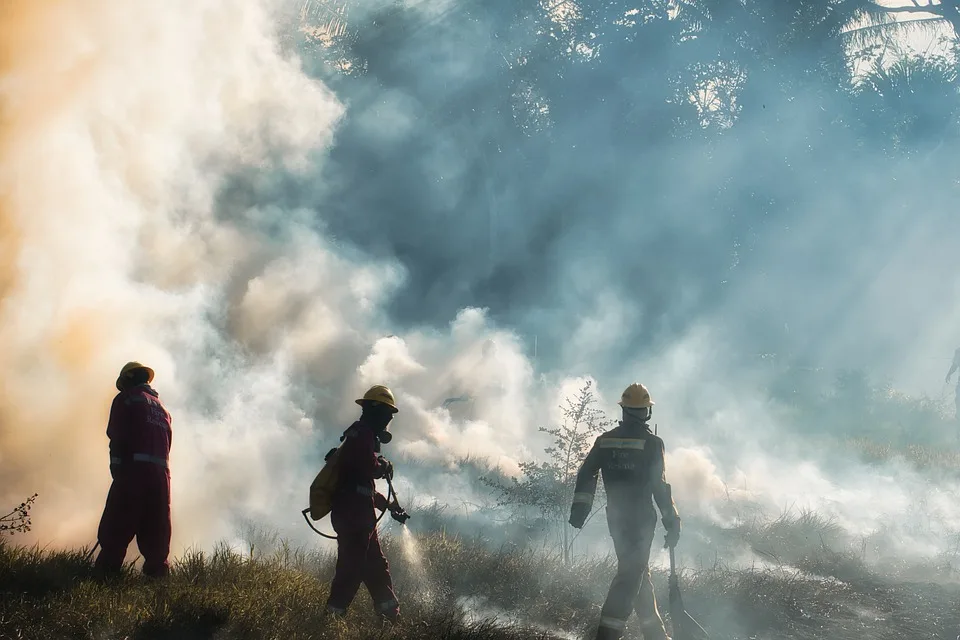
[(459, 588)]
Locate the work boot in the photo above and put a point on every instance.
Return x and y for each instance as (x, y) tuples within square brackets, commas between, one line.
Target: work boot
[(106, 575), (157, 573), (391, 619), (334, 613), (606, 633)]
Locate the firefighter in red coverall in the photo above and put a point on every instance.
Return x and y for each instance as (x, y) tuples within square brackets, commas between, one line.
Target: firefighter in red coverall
[(631, 461), (353, 516), (138, 504)]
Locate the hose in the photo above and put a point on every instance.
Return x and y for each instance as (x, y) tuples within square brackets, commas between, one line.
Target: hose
[(391, 494)]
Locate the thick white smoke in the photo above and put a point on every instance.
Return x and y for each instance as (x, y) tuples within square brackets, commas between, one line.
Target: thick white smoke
[(121, 127), (121, 124)]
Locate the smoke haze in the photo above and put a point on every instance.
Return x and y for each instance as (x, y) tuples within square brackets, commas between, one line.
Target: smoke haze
[(177, 186)]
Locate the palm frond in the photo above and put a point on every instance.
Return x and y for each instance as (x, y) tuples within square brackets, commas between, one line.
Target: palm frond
[(867, 34)]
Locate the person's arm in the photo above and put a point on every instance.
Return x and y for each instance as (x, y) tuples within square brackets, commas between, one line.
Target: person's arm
[(380, 501), (117, 434), (586, 487), (663, 494)]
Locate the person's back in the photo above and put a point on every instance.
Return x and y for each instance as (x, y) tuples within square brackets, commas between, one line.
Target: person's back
[(630, 459), (355, 495), (140, 427)]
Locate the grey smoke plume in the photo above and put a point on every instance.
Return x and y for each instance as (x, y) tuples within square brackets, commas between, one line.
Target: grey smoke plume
[(273, 238)]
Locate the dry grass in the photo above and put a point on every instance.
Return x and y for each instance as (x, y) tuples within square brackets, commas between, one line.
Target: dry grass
[(924, 458), (462, 589)]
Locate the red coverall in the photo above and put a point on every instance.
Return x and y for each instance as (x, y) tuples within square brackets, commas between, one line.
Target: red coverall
[(138, 504), (359, 556)]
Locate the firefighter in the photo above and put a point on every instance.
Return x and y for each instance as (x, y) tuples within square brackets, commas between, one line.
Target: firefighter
[(630, 459), (355, 501), (956, 396), (138, 503)]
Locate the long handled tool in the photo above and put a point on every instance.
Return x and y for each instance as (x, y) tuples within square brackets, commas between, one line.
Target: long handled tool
[(684, 626)]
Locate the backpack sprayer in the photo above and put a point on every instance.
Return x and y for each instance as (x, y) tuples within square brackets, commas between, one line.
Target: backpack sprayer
[(325, 484)]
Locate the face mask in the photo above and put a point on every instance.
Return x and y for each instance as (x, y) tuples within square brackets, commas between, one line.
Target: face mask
[(637, 415), (385, 436)]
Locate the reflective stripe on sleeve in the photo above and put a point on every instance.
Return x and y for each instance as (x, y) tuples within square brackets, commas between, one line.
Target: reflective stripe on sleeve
[(583, 497)]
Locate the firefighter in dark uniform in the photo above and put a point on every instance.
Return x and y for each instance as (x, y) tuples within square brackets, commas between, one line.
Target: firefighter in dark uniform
[(630, 459)]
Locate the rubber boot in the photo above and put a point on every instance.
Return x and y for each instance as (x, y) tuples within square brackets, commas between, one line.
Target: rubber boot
[(606, 633)]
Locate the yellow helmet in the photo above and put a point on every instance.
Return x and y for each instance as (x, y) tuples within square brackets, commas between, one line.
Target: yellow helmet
[(636, 396), (129, 368), (381, 394)]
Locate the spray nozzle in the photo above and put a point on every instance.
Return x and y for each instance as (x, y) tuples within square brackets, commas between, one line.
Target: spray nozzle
[(399, 515)]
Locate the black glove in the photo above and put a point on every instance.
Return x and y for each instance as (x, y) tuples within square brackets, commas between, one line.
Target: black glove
[(386, 468), (673, 527), (398, 514), (578, 514)]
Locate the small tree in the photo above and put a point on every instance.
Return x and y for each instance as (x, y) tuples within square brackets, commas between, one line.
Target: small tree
[(18, 520), (549, 485)]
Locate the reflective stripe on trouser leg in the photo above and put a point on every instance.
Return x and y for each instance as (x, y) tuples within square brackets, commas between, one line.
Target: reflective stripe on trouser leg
[(626, 583), (610, 628), (583, 497), (631, 542), (613, 623)]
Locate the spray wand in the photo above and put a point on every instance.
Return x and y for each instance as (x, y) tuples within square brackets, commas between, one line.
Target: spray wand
[(396, 511)]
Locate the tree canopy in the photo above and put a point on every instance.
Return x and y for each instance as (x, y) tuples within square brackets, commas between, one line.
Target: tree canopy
[(729, 159)]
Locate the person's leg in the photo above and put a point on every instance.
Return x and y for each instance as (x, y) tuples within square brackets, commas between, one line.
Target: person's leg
[(118, 525), (646, 607), (379, 582), (351, 559), (624, 587), (646, 602), (154, 532)]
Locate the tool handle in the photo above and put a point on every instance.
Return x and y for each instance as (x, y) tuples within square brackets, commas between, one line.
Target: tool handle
[(673, 561)]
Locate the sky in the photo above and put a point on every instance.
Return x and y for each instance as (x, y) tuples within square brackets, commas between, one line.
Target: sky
[(273, 240)]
